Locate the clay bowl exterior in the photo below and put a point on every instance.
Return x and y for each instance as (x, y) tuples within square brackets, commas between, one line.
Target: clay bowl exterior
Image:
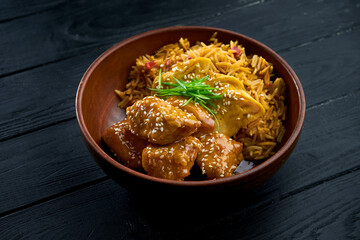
[(96, 108)]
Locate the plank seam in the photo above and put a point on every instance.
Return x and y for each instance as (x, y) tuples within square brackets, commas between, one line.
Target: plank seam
[(40, 65), (250, 4), (30, 14), (291, 193), (51, 197), (36, 129), (230, 10), (331, 100), (340, 32), (322, 181), (105, 178)]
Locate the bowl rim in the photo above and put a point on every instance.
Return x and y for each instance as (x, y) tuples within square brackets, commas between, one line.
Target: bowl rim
[(282, 151)]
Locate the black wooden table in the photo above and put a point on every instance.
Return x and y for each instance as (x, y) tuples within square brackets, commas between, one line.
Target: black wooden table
[(52, 189)]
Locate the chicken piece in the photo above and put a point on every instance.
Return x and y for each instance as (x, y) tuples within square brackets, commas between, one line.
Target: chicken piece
[(219, 156), (126, 146), (237, 108), (172, 161), (207, 122), (159, 122)]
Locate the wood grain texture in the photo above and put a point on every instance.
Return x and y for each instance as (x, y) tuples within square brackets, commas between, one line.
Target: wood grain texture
[(44, 163), (104, 211), (76, 27), (45, 97), (16, 9), (327, 211)]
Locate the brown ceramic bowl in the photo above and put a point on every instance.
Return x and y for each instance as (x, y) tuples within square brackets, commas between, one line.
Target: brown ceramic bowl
[(96, 108)]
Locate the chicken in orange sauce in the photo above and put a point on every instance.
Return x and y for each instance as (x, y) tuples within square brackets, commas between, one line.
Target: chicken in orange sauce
[(219, 156), (159, 122), (207, 121), (172, 161), (126, 146)]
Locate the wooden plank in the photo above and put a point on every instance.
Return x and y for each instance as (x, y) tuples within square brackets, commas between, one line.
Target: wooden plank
[(302, 23), (327, 211), (44, 163), (75, 28), (41, 97), (52, 88), (54, 160), (326, 68), (104, 211), (13, 9)]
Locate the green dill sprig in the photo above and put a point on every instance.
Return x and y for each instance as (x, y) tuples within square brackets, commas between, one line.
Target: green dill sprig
[(195, 90)]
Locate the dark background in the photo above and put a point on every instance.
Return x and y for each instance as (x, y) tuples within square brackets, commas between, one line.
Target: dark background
[(50, 188)]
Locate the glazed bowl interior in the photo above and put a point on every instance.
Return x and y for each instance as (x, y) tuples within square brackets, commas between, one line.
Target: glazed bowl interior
[(96, 103)]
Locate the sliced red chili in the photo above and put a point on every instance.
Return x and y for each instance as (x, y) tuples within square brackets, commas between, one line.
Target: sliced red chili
[(150, 65), (168, 62), (237, 50)]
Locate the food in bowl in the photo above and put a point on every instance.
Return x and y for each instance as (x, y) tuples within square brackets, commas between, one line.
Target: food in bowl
[(208, 106)]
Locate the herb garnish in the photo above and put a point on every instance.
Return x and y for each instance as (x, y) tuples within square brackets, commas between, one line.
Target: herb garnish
[(195, 90)]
